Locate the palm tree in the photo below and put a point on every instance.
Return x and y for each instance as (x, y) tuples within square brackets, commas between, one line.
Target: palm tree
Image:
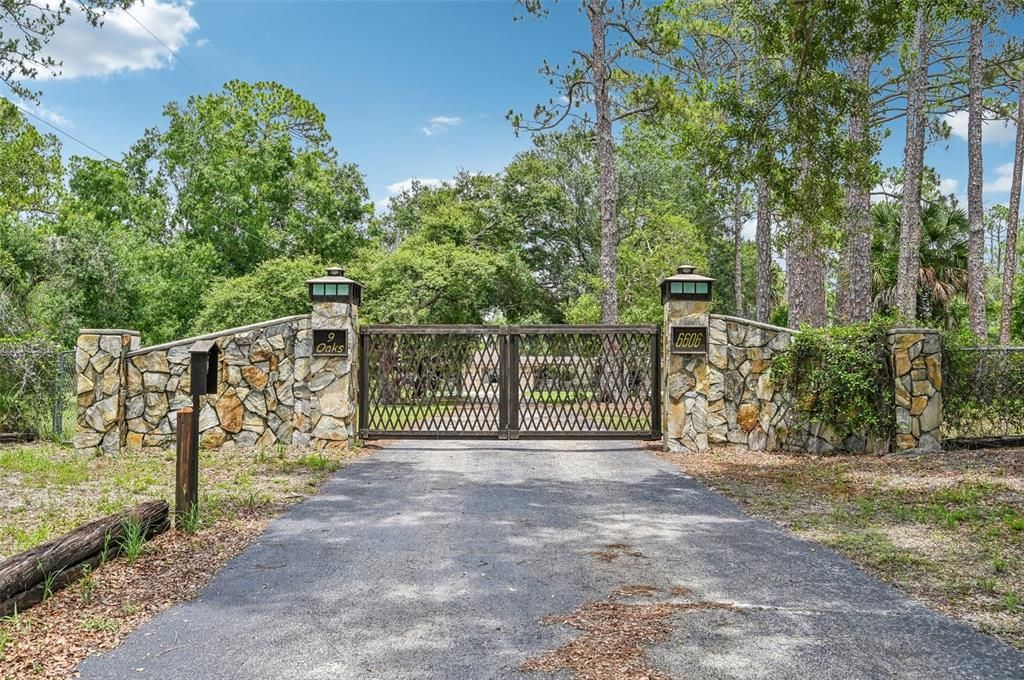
[(942, 274)]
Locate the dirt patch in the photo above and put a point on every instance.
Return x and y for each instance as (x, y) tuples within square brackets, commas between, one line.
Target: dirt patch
[(614, 635), (614, 551), (636, 591), (946, 528)]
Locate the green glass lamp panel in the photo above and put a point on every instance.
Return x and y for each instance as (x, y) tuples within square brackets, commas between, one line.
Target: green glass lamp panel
[(702, 287), (331, 290), (318, 289), (342, 289), (676, 287), (688, 287)]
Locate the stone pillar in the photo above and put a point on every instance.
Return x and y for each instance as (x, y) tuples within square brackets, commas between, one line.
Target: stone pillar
[(684, 386), (331, 377), (300, 388), (100, 383), (917, 390)]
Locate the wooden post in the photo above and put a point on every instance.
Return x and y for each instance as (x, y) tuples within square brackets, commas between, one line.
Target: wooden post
[(186, 491)]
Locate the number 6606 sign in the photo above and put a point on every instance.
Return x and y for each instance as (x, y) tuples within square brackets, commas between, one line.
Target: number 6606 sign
[(688, 340)]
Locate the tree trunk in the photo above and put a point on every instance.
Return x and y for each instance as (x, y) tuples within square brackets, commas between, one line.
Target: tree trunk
[(764, 252), (975, 207), (23, 577), (805, 271), (1012, 223), (737, 256), (857, 261), (913, 162), (606, 183)]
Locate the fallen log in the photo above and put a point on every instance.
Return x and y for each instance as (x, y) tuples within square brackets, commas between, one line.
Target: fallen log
[(25, 577)]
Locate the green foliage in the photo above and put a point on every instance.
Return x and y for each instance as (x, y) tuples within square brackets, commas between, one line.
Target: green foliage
[(942, 275), (982, 388), (444, 283), (86, 584), (660, 242), (188, 521), (839, 376), (174, 283), (133, 538), (94, 282), (275, 288), (30, 164), (252, 173), (28, 373)]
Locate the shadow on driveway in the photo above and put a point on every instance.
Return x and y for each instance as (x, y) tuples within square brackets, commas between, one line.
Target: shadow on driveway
[(438, 559)]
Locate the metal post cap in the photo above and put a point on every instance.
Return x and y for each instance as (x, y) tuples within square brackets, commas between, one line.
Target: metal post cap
[(686, 269), (335, 271)]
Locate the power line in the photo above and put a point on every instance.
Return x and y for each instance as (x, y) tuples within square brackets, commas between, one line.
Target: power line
[(168, 48), (196, 73), (61, 131)]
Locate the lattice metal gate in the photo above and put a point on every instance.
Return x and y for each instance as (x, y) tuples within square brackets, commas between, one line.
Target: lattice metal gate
[(509, 381)]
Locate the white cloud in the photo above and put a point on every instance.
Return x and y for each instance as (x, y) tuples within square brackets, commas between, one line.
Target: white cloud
[(406, 184), (993, 131), (439, 124), (121, 44), (44, 113), (1001, 184), (948, 185), (884, 191), (202, 42), (749, 231)]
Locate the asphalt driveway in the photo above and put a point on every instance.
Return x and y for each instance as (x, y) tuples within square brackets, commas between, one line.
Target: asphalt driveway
[(438, 559)]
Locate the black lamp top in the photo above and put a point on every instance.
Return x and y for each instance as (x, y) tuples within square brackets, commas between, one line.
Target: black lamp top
[(686, 272), (334, 275)]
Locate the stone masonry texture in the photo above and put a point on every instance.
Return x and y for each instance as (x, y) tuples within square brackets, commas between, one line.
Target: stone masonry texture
[(917, 388), (745, 406), (271, 389), (685, 381), (99, 379)]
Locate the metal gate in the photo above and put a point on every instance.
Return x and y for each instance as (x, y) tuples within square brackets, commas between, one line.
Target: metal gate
[(510, 381)]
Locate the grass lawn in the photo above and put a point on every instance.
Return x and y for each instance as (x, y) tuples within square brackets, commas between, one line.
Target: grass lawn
[(48, 490), (946, 528), (406, 416)]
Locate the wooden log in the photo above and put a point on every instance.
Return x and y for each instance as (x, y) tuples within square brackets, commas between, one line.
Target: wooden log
[(186, 493), (23, 577)]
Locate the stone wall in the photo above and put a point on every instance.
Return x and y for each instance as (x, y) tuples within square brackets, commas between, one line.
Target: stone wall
[(262, 369), (273, 387), (100, 360), (917, 389), (745, 406)]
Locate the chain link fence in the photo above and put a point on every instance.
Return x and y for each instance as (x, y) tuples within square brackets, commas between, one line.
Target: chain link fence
[(983, 394), (37, 391)]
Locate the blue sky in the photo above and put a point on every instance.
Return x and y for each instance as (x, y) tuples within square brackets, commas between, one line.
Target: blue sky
[(410, 89)]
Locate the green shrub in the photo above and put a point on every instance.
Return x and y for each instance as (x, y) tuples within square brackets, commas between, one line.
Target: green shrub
[(840, 376), (276, 288), (982, 388), (29, 380)]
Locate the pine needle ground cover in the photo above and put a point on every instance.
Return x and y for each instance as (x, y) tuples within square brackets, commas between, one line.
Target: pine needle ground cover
[(48, 491), (945, 528)]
